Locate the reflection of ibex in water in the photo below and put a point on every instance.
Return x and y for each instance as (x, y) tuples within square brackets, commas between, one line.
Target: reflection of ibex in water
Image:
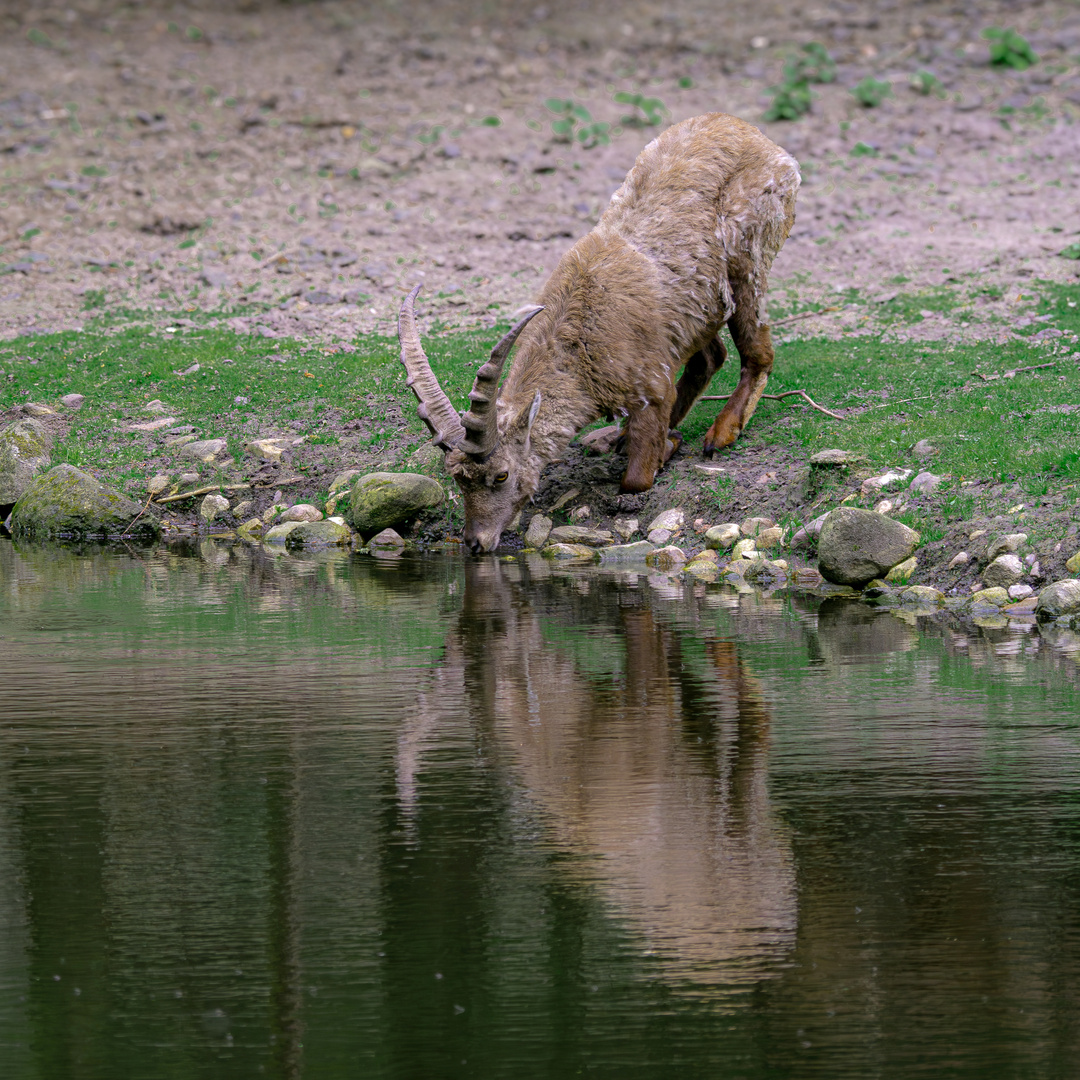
[(677, 818)]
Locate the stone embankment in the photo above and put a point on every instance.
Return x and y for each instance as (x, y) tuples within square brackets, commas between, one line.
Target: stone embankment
[(847, 552)]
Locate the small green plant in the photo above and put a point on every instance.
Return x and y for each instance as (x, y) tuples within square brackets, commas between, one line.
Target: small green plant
[(1009, 49), (431, 136), (871, 92), (651, 110), (793, 97), (1070, 252), (927, 83), (575, 124), (721, 489), (812, 65), (790, 101), (93, 298), (861, 149)]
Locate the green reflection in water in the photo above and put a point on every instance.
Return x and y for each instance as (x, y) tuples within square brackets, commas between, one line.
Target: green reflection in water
[(325, 817)]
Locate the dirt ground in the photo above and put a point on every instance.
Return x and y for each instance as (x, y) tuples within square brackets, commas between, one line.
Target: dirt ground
[(336, 151), (296, 168)]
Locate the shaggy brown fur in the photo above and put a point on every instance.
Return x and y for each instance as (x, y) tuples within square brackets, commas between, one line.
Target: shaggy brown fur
[(684, 248)]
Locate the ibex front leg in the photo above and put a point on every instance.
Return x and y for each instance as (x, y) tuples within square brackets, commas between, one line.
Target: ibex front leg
[(756, 358), (646, 435)]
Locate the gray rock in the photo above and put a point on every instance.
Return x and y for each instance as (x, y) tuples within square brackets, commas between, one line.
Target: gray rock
[(319, 534), (856, 546), (1061, 598), (626, 553), (25, 449), (666, 558), (426, 456), (72, 401), (569, 552), (961, 558), (386, 544), (887, 481), (767, 538), (66, 502), (579, 534), (381, 500), (537, 533), (625, 527), (212, 506), (721, 537), (157, 484), (204, 450), (998, 597), (807, 536), (752, 526), (670, 521), (763, 572), (278, 534), (745, 549), (1020, 592), (1004, 545), (302, 512), (836, 458), (342, 480), (924, 448), (921, 594), (902, 571), (1004, 571), (659, 537), (925, 483)]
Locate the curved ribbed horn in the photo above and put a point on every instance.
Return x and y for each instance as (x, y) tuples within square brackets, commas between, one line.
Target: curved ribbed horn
[(435, 409), (481, 421)]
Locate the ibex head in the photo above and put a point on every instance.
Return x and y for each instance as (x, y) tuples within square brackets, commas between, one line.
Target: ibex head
[(487, 447)]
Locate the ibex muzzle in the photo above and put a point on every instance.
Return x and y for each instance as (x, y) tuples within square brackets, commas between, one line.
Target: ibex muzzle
[(683, 249)]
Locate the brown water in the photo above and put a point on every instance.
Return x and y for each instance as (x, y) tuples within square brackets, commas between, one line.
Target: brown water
[(335, 817)]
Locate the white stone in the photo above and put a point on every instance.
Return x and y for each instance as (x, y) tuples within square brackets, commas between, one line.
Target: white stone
[(213, 505), (961, 558), (926, 483), (672, 520), (744, 549), (890, 479), (1003, 545), (721, 537), (302, 512), (1020, 592)]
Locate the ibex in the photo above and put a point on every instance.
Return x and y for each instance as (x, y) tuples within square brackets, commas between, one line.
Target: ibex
[(684, 248)]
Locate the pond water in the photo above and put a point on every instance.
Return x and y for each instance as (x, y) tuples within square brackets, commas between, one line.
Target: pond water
[(333, 817)]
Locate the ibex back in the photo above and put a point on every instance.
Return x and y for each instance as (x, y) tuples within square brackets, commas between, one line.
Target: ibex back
[(683, 249)]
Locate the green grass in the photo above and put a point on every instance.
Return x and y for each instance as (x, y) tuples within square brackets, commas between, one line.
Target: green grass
[(895, 394)]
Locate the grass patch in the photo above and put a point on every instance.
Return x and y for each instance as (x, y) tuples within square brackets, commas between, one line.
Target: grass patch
[(1024, 429)]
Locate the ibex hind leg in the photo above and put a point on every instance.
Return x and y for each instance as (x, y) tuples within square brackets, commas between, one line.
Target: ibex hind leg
[(754, 344), (696, 376)]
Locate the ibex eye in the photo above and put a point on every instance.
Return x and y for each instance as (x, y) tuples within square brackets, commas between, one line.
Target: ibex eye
[(501, 478)]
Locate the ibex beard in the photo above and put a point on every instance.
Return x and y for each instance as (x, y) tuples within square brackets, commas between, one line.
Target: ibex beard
[(683, 249)]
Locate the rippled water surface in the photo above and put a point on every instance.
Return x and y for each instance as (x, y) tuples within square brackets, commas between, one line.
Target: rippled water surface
[(333, 817)]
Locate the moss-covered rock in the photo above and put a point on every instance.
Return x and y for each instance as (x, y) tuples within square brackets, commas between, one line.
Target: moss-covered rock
[(382, 500), (856, 546), (24, 452), (312, 534), (67, 503)]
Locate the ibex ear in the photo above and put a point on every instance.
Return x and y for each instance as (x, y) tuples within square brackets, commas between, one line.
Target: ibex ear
[(533, 410)]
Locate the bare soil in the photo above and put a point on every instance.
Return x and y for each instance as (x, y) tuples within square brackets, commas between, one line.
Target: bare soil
[(296, 168)]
